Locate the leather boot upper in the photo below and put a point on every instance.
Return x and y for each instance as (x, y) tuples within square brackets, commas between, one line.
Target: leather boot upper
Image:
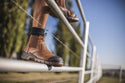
[(37, 47)]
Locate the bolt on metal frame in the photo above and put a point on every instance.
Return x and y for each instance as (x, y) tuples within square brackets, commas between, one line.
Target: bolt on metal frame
[(96, 71)]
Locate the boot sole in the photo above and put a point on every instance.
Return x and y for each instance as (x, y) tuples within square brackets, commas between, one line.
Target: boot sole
[(70, 19), (31, 57)]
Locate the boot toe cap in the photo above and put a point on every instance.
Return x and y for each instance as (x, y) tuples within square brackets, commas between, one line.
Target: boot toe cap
[(73, 19), (55, 59)]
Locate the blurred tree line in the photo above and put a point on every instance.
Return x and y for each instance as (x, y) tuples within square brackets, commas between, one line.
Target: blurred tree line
[(12, 31)]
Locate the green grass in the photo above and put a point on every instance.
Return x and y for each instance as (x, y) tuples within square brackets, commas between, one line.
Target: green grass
[(49, 78), (38, 77), (110, 80)]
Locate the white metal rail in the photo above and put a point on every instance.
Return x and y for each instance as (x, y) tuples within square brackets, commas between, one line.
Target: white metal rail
[(26, 66), (7, 65), (60, 15)]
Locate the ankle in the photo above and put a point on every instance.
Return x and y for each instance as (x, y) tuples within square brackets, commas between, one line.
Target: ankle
[(37, 31), (36, 37)]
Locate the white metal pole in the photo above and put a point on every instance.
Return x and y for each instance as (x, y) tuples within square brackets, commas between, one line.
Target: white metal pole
[(52, 4), (96, 68), (83, 54), (120, 75), (81, 10), (93, 62), (7, 65)]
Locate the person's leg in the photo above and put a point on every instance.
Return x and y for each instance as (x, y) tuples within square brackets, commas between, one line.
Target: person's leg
[(61, 3), (41, 13), (36, 48)]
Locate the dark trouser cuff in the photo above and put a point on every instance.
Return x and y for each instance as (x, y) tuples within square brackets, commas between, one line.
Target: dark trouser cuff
[(37, 31)]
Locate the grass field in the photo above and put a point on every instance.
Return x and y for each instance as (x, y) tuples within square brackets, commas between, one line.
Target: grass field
[(48, 78), (38, 78), (110, 80)]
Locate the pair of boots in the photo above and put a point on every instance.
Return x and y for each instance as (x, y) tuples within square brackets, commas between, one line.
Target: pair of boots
[(36, 49)]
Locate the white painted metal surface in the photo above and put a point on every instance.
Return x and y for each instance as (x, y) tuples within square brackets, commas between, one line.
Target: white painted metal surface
[(88, 72), (93, 62), (59, 13), (7, 65), (120, 75), (90, 41), (81, 10), (83, 57)]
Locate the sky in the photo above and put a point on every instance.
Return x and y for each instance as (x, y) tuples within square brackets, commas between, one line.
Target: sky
[(107, 26)]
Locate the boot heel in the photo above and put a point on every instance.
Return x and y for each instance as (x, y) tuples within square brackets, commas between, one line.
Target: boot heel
[(27, 56)]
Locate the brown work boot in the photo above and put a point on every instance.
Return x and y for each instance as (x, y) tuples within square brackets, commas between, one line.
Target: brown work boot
[(68, 14), (36, 50)]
